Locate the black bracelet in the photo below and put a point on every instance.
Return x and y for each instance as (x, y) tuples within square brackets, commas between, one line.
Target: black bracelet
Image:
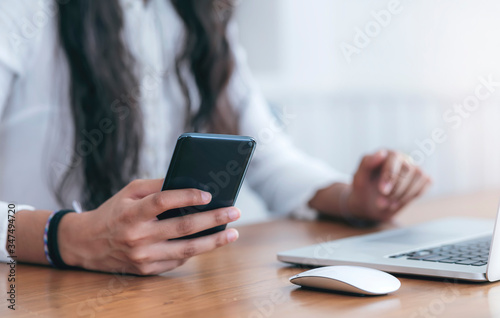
[(52, 243)]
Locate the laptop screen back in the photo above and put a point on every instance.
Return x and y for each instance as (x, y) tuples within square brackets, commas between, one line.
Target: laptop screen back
[(493, 269)]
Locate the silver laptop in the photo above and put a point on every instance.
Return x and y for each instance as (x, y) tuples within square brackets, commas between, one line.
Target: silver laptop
[(459, 248)]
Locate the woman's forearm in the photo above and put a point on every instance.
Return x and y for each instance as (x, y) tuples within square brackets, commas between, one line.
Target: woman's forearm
[(329, 201), (29, 228)]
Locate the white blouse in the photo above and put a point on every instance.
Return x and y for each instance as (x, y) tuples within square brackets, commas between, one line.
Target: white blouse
[(35, 123)]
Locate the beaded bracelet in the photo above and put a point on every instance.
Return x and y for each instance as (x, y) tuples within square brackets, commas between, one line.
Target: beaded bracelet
[(45, 239)]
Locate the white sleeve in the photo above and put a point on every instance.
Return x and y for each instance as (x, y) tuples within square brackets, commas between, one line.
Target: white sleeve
[(282, 175), (18, 34), (17, 39), (5, 83), (14, 49), (4, 226), (6, 79)]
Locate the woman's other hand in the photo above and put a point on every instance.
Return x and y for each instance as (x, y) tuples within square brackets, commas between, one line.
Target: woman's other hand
[(384, 183)]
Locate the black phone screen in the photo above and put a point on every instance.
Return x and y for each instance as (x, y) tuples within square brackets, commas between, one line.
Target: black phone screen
[(209, 162)]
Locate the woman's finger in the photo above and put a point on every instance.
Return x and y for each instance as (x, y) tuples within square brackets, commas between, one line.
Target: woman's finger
[(185, 225), (183, 249), (369, 163), (419, 185), (403, 181), (159, 202), (389, 173), (141, 188)]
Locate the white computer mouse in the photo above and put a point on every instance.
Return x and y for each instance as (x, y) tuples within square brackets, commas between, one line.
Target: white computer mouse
[(350, 279)]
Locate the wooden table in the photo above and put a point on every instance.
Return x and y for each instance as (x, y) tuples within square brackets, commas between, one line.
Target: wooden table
[(246, 280)]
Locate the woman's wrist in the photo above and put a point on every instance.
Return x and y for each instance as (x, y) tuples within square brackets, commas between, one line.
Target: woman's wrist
[(336, 200), (29, 232), (351, 209), (339, 200), (73, 239), (327, 200)]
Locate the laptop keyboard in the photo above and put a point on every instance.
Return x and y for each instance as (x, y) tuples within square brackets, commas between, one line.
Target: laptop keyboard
[(473, 252)]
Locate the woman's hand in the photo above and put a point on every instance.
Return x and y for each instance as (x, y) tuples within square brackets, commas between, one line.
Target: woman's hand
[(124, 235), (385, 183)]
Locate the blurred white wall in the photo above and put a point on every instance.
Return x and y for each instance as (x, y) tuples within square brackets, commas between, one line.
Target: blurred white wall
[(402, 83)]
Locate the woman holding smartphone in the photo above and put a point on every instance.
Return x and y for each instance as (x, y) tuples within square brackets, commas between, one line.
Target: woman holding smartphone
[(93, 95)]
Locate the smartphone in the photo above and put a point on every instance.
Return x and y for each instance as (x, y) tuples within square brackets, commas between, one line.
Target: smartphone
[(209, 162)]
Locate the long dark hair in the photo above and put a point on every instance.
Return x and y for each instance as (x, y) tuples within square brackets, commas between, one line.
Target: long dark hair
[(101, 71)]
